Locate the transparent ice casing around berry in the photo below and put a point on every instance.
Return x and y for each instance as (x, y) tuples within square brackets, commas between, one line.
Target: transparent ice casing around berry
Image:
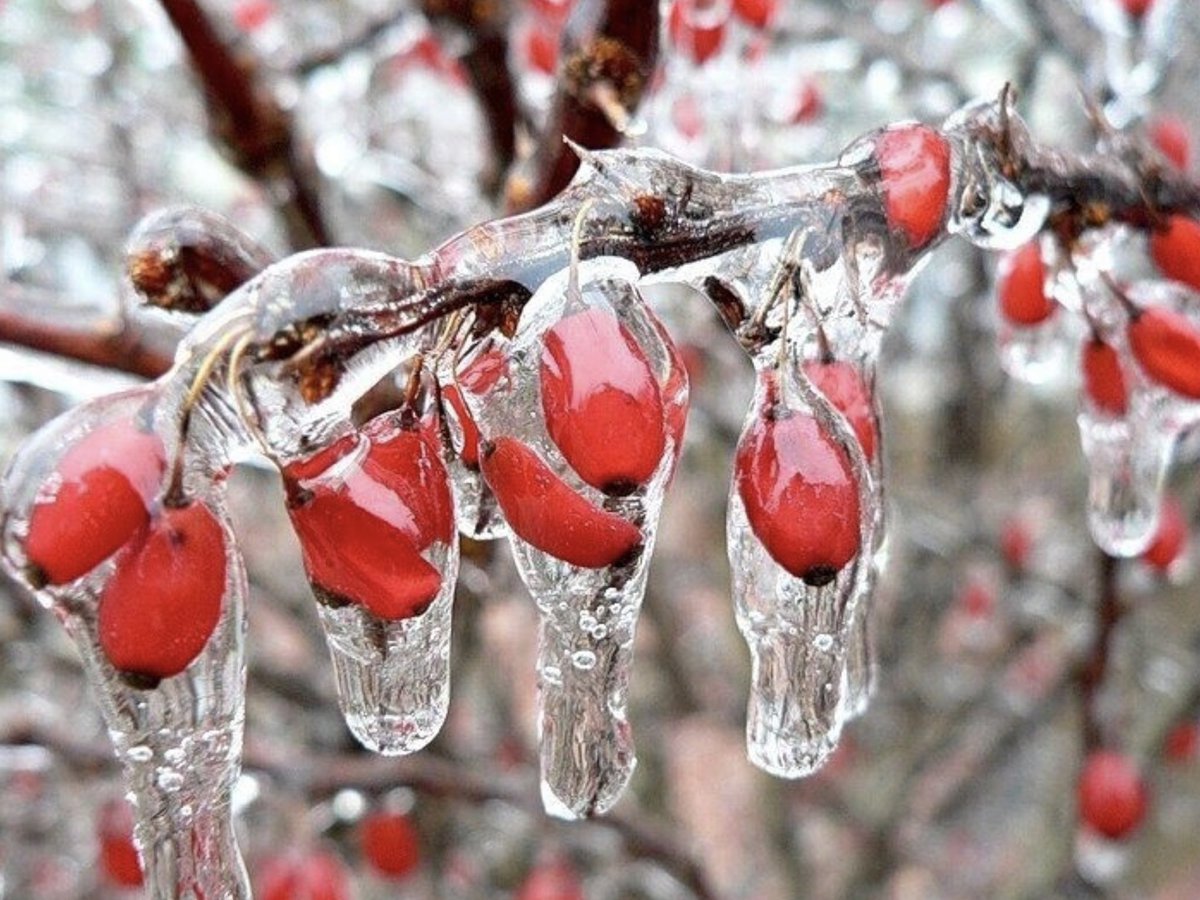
[(179, 740), (587, 616), (392, 675)]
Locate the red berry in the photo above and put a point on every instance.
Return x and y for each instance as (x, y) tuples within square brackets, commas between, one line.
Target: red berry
[(1137, 8), (844, 387), (809, 104), (478, 378), (163, 601), (554, 880), (1112, 794), (602, 403), (391, 844), (118, 854), (105, 484), (914, 162), (756, 13), (541, 50), (1183, 743), (700, 42), (977, 599), (1167, 346), (799, 492), (543, 510), (250, 15), (555, 10), (1022, 287), (1016, 543), (1173, 140), (1176, 250), (1170, 540), (1103, 378), (316, 875), (362, 529)]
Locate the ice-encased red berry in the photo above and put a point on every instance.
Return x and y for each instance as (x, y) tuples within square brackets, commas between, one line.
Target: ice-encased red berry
[(477, 378), (799, 493), (119, 861), (700, 42), (1170, 538), (390, 844), (1173, 140), (1104, 378), (1182, 744), (1016, 543), (843, 385), (541, 50), (1137, 8), (363, 526), (1176, 250), (1167, 347), (914, 164), (163, 601), (1022, 287), (544, 511), (756, 13), (1112, 794), (315, 875), (103, 488), (602, 404), (551, 880)]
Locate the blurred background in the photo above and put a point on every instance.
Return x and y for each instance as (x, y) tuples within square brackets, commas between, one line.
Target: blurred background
[(379, 124)]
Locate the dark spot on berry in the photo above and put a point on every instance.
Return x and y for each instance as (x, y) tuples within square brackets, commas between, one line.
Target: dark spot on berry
[(819, 576), (619, 488), (140, 681)]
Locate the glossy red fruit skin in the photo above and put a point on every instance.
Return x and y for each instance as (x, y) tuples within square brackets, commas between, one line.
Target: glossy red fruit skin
[(756, 13), (319, 875), (119, 861), (390, 844), (914, 163), (362, 530), (700, 43), (1167, 347), (556, 880), (1173, 140), (1183, 743), (478, 378), (544, 511), (1103, 378), (602, 404), (1112, 795), (1176, 250), (1170, 539), (1022, 288), (799, 493), (107, 482), (843, 386), (163, 601)]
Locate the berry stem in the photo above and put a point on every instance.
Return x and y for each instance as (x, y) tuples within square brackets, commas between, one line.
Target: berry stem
[(1092, 671)]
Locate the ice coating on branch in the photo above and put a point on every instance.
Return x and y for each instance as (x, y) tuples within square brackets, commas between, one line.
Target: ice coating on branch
[(176, 717), (583, 552), (1128, 453)]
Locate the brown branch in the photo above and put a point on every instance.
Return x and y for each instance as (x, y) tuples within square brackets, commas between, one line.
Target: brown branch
[(119, 349), (486, 62), (609, 52), (251, 124), (369, 34), (1091, 673)]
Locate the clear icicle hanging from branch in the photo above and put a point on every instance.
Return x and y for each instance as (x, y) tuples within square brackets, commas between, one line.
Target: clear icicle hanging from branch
[(483, 345)]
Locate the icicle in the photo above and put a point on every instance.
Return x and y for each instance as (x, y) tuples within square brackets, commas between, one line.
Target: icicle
[(122, 532), (581, 486)]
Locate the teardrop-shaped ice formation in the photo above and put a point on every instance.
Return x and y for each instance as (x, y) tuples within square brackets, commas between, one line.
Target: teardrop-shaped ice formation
[(128, 542), (375, 517), (592, 358), (796, 531)]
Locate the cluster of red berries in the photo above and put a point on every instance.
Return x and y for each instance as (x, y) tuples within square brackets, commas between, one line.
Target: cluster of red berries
[(163, 599), (609, 416)]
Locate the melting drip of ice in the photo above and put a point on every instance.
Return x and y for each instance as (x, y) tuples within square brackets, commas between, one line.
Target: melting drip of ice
[(393, 677), (588, 616), (178, 738)]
